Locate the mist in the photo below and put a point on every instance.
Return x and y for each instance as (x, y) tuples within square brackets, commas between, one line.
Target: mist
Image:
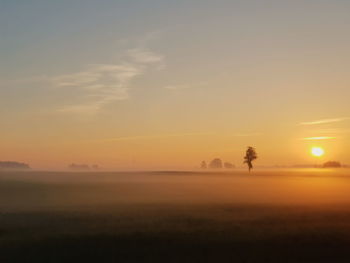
[(58, 190)]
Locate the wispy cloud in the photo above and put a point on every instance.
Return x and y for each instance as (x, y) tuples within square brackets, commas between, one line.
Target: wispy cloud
[(106, 83), (144, 56), (324, 121), (318, 138), (331, 131)]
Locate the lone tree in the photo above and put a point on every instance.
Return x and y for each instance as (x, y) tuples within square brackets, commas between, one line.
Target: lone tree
[(249, 157)]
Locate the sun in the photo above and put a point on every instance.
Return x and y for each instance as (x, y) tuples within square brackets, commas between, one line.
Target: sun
[(317, 151)]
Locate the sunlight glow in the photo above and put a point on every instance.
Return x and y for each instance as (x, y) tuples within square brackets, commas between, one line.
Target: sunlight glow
[(317, 151)]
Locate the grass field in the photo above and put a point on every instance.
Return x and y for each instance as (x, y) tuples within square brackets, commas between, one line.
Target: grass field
[(266, 216)]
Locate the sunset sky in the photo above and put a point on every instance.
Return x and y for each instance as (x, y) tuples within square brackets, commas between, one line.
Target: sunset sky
[(161, 84)]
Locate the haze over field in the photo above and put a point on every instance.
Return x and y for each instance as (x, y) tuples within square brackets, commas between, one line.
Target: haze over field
[(166, 84), (32, 191)]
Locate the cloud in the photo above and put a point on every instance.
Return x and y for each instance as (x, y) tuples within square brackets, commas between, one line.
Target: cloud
[(88, 108), (318, 138), (324, 121), (103, 84), (144, 56), (331, 131)]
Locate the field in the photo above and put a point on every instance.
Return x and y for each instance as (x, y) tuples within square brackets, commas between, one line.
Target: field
[(266, 216)]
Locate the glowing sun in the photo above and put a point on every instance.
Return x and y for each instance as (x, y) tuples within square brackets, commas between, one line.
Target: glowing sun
[(317, 151)]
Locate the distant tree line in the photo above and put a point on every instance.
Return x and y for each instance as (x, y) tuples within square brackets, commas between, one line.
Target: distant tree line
[(332, 164), (82, 167), (217, 163), (14, 165)]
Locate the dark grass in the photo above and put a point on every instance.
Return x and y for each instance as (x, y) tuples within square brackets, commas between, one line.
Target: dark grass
[(154, 217), (154, 233)]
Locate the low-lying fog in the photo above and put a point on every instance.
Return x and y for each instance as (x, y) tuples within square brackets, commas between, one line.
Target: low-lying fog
[(58, 190)]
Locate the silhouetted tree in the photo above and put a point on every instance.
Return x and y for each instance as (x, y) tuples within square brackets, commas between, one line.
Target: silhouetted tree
[(228, 165), (249, 157), (332, 164), (215, 164), (204, 165)]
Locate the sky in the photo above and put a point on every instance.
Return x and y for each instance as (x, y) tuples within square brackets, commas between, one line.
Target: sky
[(161, 84)]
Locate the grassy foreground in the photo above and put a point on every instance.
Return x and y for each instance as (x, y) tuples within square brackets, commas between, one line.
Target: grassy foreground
[(163, 231)]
